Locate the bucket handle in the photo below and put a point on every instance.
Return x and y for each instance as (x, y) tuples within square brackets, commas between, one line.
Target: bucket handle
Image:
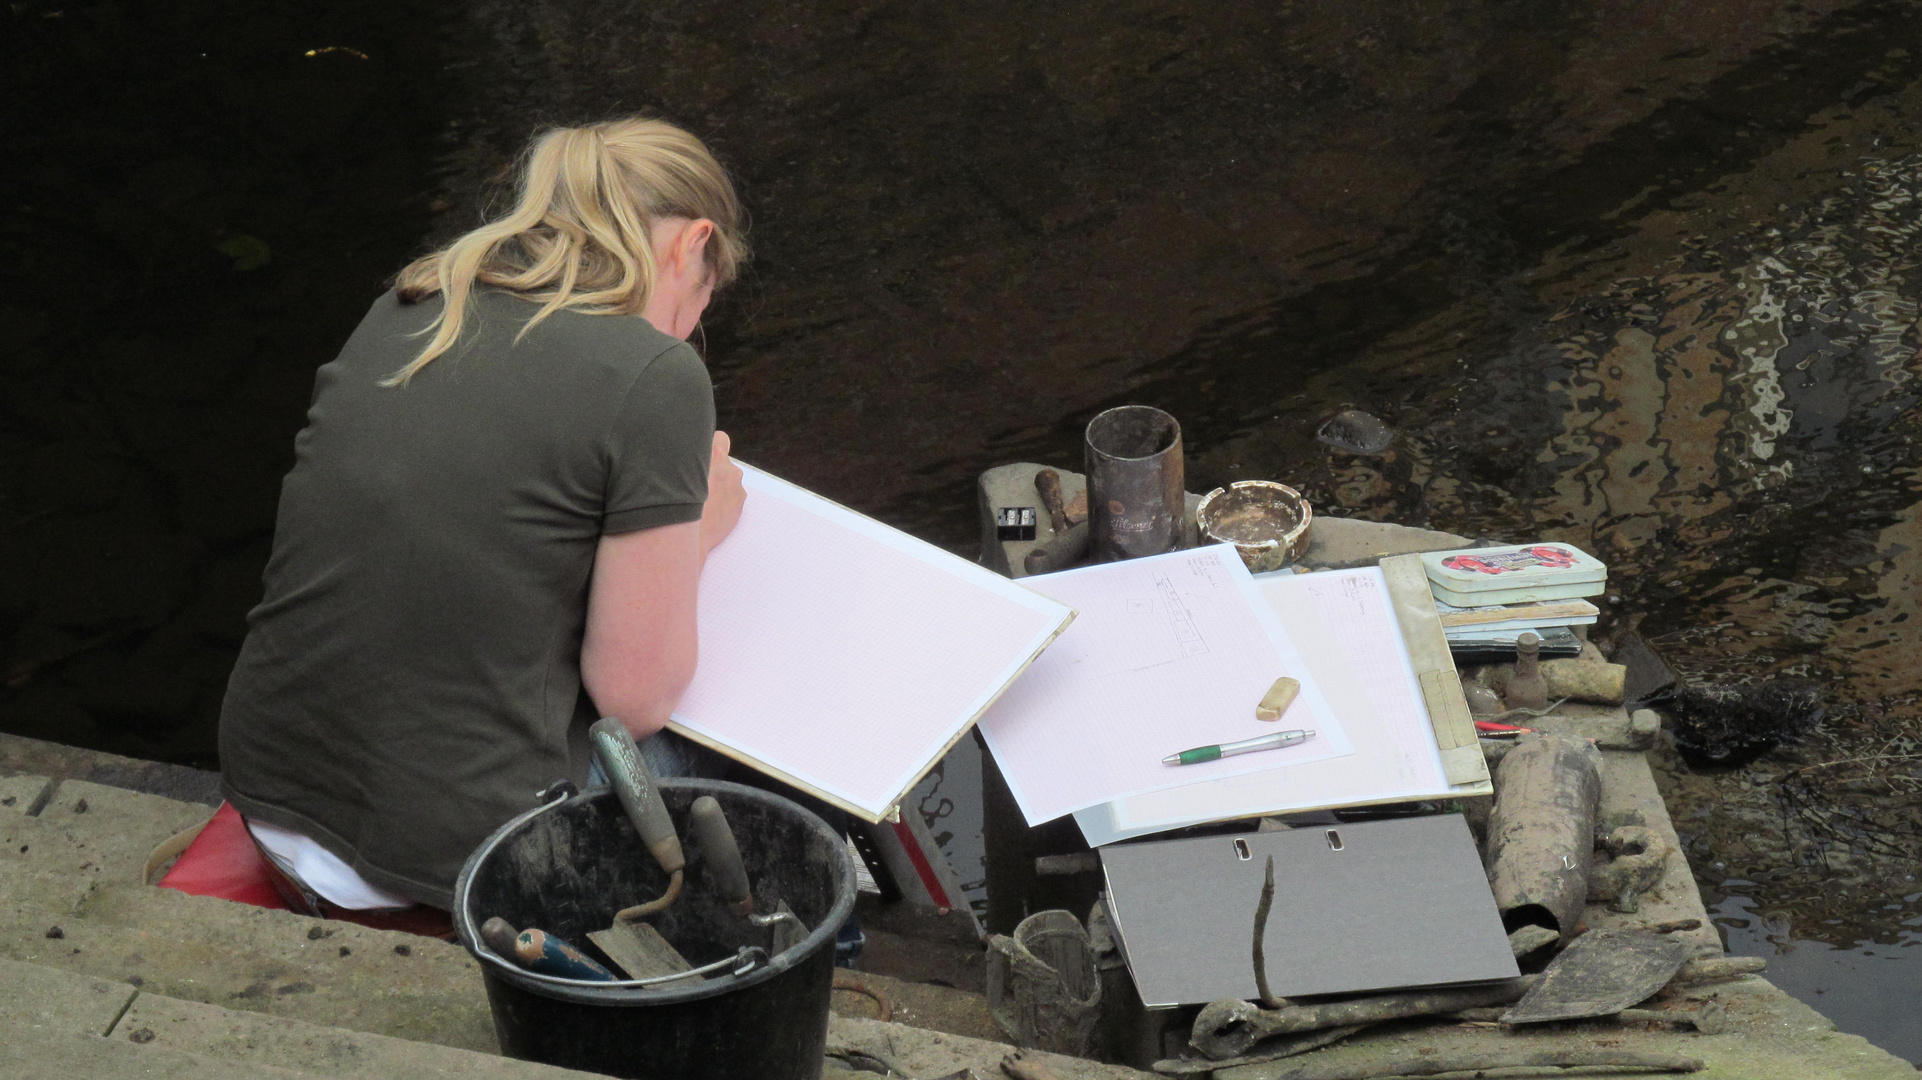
[(743, 962)]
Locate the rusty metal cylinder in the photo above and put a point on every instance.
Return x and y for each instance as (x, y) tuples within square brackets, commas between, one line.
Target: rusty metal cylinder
[(1541, 835), (1136, 494)]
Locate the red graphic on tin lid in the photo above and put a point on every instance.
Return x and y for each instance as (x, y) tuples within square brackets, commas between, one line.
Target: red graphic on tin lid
[(1542, 555)]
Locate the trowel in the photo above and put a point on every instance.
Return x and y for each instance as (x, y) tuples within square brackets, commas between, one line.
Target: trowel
[(636, 946), (715, 840)]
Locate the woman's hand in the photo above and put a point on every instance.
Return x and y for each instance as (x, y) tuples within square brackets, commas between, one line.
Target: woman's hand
[(724, 495)]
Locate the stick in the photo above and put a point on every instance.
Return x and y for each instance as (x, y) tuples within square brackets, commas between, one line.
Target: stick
[(1268, 1000), (1274, 1050), (1711, 968), (1468, 1061), (1022, 1067), (1667, 1018), (1228, 1028)]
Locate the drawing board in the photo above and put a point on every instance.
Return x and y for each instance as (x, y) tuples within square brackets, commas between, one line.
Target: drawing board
[(844, 656)]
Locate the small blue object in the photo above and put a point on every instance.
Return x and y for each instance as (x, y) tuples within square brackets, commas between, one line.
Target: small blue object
[(544, 954)]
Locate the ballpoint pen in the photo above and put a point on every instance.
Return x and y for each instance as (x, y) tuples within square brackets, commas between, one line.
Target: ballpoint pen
[(1246, 746)]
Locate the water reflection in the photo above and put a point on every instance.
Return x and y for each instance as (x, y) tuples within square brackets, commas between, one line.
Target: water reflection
[(1847, 971)]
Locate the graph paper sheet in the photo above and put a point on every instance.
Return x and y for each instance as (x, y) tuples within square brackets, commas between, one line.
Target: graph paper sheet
[(845, 657), (1166, 653), (1345, 624)]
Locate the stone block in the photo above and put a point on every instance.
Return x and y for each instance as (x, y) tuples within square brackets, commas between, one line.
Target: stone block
[(1013, 485), (240, 1036), (1342, 543), (48, 1000), (203, 949), (21, 754), (38, 1055), (94, 833), (1608, 725), (19, 793), (1629, 787)]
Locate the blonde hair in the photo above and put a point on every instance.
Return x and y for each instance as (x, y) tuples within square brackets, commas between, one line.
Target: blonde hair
[(578, 236)]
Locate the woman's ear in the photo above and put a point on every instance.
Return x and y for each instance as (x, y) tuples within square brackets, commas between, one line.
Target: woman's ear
[(691, 248)]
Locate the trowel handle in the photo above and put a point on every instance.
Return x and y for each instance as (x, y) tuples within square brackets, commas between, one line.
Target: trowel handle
[(708, 823), (639, 792)]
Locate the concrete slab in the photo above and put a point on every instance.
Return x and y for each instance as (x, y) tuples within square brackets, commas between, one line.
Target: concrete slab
[(48, 1000), (111, 830), (1628, 785), (42, 878), (1771, 1036), (87, 835), (18, 794), (19, 754), (239, 1036), (1343, 543), (1609, 725), (1013, 485), (27, 1054), (202, 949)]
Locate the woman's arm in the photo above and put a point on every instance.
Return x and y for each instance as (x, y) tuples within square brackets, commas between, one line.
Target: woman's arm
[(639, 651)]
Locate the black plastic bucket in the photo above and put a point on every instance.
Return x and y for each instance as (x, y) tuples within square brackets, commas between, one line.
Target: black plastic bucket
[(567, 867)]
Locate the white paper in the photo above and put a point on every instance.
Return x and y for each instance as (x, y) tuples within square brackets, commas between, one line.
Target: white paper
[(1166, 653), (1345, 625), (845, 655)]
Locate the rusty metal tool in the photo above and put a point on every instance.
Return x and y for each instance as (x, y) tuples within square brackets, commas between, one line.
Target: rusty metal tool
[(1059, 552), (1047, 484)]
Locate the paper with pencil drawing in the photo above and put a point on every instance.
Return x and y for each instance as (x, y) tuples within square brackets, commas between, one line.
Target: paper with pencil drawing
[(1166, 653), (844, 656), (1345, 624)]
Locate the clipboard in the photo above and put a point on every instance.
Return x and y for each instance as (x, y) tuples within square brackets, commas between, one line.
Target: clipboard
[(1459, 769), (1362, 906)]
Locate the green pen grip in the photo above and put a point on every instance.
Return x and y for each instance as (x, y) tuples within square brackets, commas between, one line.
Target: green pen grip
[(1196, 757)]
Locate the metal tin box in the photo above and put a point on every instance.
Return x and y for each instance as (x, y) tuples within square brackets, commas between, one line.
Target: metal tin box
[(1477, 577)]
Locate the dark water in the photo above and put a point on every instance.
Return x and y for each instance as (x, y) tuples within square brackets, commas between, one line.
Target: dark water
[(1636, 275)]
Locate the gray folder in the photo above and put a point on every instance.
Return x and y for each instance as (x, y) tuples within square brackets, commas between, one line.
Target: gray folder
[(1364, 906)]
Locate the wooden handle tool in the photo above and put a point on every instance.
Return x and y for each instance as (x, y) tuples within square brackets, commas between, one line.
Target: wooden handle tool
[(715, 840)]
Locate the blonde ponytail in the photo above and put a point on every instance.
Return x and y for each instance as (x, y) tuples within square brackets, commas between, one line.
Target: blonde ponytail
[(578, 236)]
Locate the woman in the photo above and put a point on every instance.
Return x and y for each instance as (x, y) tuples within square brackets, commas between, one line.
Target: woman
[(501, 503)]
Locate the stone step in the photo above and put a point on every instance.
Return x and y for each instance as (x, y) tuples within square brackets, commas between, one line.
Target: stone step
[(37, 1055), (222, 977), (71, 897), (71, 1014)]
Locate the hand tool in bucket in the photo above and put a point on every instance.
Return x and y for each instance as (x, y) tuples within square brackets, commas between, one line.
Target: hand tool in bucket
[(541, 952), (715, 841), (636, 946)]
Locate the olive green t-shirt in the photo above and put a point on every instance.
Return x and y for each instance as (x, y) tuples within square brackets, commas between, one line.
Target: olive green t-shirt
[(412, 676)]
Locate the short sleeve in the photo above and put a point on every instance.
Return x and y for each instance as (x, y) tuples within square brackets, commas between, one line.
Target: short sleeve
[(659, 446)]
